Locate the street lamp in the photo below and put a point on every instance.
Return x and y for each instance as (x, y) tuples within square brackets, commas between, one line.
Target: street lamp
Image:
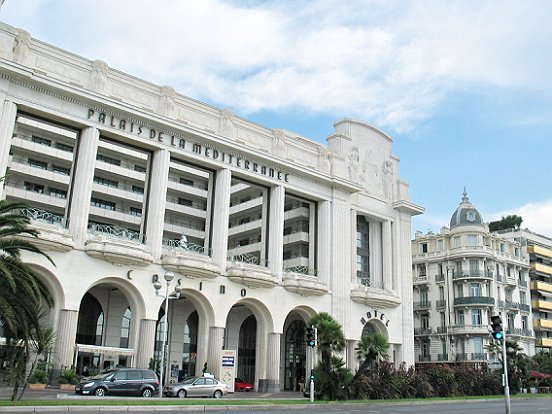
[(157, 285)]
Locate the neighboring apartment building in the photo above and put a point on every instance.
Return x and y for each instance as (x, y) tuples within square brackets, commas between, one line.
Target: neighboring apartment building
[(264, 229), (461, 277), (539, 250)]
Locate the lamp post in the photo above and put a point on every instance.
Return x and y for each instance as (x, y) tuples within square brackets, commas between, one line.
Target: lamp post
[(168, 276)]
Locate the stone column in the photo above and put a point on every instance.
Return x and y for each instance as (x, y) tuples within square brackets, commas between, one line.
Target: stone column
[(214, 354), (220, 217), (66, 335), (324, 241), (157, 200), (146, 343), (276, 230), (7, 125), (387, 256), (82, 184), (272, 381), (352, 355)]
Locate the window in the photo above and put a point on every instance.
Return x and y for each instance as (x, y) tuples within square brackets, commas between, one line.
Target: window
[(524, 323), (61, 170), (475, 289), (137, 190), (185, 181), (363, 249), (523, 298), (440, 245), (64, 147), (36, 188), (476, 317), (184, 202), (38, 164), (441, 293), (108, 160), (456, 241), (125, 328), (97, 202), (460, 318), (423, 248), (425, 321), (474, 266), (477, 342), (424, 295), (443, 319), (56, 192), (105, 181), (472, 239), (41, 141), (140, 168), (134, 211)]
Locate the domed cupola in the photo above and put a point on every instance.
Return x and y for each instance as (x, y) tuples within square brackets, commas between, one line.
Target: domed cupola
[(466, 214)]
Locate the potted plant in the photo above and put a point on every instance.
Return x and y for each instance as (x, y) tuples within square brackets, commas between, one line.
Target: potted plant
[(68, 379), (38, 379)]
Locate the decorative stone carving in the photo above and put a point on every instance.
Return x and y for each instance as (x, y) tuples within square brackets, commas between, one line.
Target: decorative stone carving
[(166, 101), (21, 46), (98, 76), (226, 124), (324, 155), (279, 143), (387, 179)]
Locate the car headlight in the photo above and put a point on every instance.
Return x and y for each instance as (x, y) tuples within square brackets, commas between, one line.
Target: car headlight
[(88, 385)]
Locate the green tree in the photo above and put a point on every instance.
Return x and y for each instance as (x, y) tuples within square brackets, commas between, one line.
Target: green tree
[(370, 350), (331, 338), (22, 293), (516, 359), (509, 222)]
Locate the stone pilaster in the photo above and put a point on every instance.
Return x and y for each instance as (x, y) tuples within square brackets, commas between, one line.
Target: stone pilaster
[(272, 381), (387, 264), (7, 125), (220, 217), (214, 354), (324, 241), (276, 230), (83, 179), (146, 343), (352, 356), (65, 338), (157, 200)]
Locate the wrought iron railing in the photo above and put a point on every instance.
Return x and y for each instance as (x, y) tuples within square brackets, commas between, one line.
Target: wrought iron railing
[(116, 232), (304, 270), (181, 245), (44, 216), (248, 259)]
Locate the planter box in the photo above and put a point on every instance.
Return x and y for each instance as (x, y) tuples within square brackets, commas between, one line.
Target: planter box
[(36, 386), (67, 387)]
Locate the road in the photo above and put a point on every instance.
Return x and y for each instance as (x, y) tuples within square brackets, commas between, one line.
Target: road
[(518, 406)]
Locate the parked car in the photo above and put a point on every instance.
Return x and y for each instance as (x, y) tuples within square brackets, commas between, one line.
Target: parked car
[(196, 387), (120, 381), (242, 385)]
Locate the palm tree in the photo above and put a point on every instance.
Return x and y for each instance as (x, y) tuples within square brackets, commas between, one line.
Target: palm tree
[(330, 335), (372, 349), (22, 293)]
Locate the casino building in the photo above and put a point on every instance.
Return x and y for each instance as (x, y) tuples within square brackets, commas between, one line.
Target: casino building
[(129, 182)]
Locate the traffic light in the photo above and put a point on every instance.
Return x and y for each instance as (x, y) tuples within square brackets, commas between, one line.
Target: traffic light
[(312, 375), (496, 326), (311, 340)]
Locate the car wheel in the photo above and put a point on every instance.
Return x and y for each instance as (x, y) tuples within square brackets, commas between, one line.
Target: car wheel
[(217, 394), (100, 392), (181, 394), (147, 393)]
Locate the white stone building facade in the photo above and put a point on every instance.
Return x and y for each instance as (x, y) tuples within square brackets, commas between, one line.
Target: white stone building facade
[(461, 277), (263, 229)]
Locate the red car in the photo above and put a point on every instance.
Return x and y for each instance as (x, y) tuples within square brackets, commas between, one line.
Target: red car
[(241, 385)]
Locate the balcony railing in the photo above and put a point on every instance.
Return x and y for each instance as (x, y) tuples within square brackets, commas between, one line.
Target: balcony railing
[(116, 232), (423, 331), (442, 329), (442, 357), (303, 270), (368, 281), (424, 358), (185, 246), (462, 357), (439, 278), (248, 259), (519, 332), (474, 300), (422, 305), (524, 307), (473, 274), (480, 356), (441, 303), (43, 216), (522, 283)]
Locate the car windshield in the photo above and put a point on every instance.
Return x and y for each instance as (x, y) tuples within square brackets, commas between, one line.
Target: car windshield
[(188, 380)]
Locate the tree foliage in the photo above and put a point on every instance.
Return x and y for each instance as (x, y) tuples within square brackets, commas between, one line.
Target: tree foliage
[(509, 222)]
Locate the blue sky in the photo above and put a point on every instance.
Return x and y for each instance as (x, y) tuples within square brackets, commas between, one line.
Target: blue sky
[(463, 87)]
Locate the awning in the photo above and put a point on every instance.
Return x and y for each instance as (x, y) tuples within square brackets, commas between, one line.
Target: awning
[(537, 374), (103, 350)]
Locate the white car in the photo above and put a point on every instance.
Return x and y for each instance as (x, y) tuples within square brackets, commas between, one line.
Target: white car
[(196, 387)]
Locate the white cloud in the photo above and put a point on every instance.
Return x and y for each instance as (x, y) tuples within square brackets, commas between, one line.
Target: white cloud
[(388, 62), (537, 217)]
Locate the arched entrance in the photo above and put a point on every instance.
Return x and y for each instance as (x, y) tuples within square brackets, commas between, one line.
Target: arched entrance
[(294, 355)]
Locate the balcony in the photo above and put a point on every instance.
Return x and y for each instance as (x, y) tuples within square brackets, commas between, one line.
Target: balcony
[(469, 329), (544, 342), (474, 301), (540, 251), (542, 287), (441, 303), (479, 356), (120, 246), (473, 274), (421, 280), (542, 324), (541, 268), (424, 358), (442, 329), (303, 283), (541, 305), (439, 278), (424, 305), (371, 292), (443, 357), (188, 259), (423, 330), (52, 228), (519, 332), (250, 271)]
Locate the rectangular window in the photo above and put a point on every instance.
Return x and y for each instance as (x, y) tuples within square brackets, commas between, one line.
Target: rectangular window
[(423, 248), (184, 202), (456, 241), (139, 168), (460, 318), (41, 141), (134, 211), (38, 164), (35, 188), (475, 289), (108, 160), (97, 202), (440, 245), (56, 192), (105, 181), (64, 147), (477, 342), (476, 317), (61, 170), (472, 240), (137, 190), (185, 181), (443, 319), (441, 293)]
